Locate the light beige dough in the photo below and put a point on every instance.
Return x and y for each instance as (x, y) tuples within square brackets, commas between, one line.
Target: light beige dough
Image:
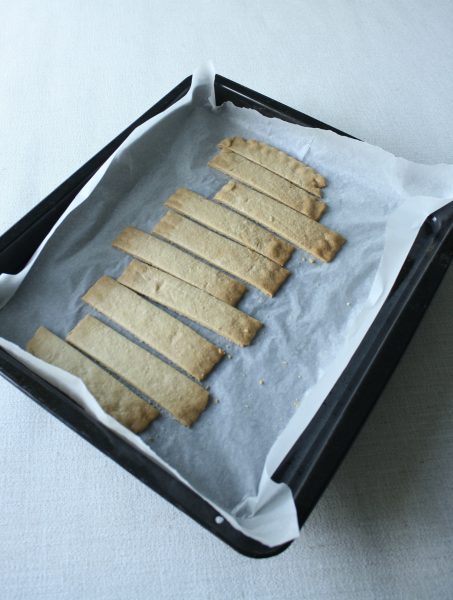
[(174, 340), (166, 257), (114, 397), (290, 224), (172, 390), (277, 161), (230, 224), (187, 300), (269, 183), (234, 258)]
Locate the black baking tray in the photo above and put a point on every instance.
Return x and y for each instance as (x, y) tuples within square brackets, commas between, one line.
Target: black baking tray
[(313, 460)]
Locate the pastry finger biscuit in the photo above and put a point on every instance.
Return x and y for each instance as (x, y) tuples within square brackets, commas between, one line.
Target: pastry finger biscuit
[(166, 257), (265, 181), (152, 325), (172, 390), (277, 161), (303, 232), (191, 302), (226, 254), (114, 397), (231, 224)]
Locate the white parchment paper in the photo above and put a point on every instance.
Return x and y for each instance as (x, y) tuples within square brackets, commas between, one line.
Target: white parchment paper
[(312, 326)]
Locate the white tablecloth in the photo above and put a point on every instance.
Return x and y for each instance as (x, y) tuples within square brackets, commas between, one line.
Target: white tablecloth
[(73, 74)]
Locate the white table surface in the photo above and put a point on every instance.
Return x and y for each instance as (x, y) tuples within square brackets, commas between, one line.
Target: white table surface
[(73, 74)]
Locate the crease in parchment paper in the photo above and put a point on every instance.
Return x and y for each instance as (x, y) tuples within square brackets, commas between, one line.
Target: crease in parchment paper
[(312, 326)]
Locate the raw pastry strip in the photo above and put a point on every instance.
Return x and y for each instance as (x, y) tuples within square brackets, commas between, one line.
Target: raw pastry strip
[(175, 392), (191, 302), (150, 324), (180, 264), (230, 256), (293, 226), (269, 183), (277, 161), (114, 397), (230, 224)]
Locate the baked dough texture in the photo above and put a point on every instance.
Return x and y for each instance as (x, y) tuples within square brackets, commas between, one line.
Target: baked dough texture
[(179, 343), (303, 232), (193, 303), (226, 254), (230, 224), (169, 388), (265, 181), (172, 260), (114, 397), (277, 161)]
